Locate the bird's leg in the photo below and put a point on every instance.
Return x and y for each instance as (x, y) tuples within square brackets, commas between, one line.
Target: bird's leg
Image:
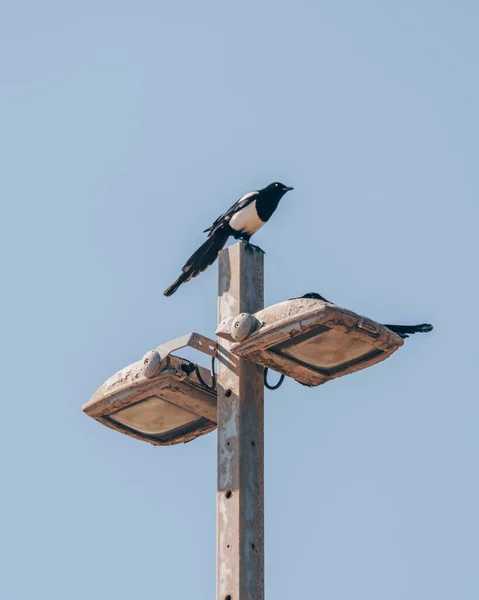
[(245, 240), (256, 248), (247, 246), (251, 247)]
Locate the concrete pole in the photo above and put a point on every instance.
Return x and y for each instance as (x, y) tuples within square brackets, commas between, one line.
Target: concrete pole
[(240, 492)]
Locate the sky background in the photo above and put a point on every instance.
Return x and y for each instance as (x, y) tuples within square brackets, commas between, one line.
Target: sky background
[(126, 129)]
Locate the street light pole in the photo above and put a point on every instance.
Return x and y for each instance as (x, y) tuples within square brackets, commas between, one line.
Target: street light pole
[(164, 399), (240, 384)]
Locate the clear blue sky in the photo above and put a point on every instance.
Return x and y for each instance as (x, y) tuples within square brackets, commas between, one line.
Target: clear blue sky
[(126, 128)]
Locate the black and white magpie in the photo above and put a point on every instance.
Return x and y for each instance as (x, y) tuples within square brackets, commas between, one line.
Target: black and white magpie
[(240, 221), (403, 331)]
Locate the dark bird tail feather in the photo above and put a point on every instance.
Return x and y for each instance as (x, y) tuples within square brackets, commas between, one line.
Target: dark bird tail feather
[(205, 256), (405, 331)]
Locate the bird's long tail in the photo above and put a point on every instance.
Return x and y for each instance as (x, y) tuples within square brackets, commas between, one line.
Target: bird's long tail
[(405, 331), (205, 256)]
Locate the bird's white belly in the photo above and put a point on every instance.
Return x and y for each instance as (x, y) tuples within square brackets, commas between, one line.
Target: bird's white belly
[(246, 220)]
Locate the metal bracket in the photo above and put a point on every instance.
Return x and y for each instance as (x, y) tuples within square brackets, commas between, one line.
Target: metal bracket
[(154, 359), (193, 340)]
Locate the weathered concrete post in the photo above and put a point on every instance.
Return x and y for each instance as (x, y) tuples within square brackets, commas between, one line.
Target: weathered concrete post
[(240, 492)]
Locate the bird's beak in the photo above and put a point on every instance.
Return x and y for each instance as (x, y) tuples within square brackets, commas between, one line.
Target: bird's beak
[(288, 189)]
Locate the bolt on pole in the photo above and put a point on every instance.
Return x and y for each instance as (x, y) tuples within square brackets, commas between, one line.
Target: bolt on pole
[(240, 491)]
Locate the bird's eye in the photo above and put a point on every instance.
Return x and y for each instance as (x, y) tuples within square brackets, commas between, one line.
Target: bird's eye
[(275, 185)]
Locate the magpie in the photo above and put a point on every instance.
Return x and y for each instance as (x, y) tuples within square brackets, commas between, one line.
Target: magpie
[(403, 331), (240, 221)]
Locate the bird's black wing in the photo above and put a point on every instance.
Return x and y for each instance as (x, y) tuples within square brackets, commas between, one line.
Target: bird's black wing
[(237, 206), (201, 259), (207, 253), (403, 331), (313, 296)]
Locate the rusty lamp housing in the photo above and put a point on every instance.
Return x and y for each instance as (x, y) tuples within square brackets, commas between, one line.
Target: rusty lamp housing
[(309, 340), (159, 399)]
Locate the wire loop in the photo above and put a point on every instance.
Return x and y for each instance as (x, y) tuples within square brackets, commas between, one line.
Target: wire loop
[(272, 387), (211, 387)]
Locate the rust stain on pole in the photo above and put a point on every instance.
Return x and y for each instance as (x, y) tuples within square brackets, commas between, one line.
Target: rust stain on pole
[(240, 493)]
